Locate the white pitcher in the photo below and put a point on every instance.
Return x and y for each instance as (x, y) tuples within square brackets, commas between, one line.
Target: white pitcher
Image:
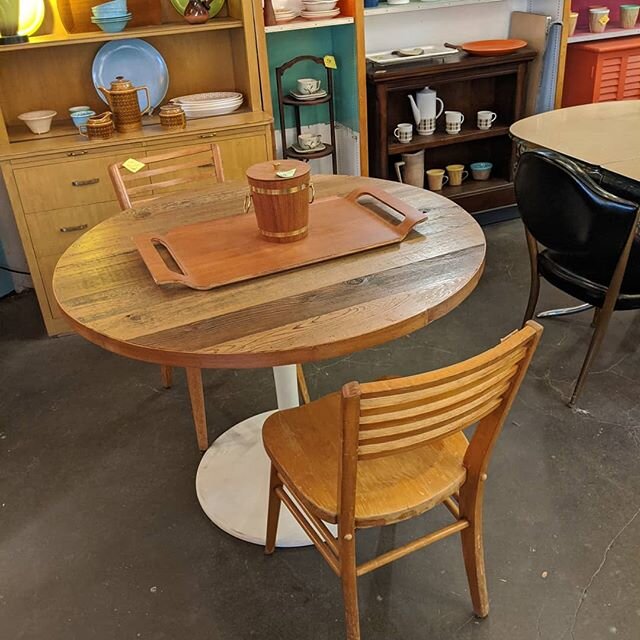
[(425, 105), (413, 164)]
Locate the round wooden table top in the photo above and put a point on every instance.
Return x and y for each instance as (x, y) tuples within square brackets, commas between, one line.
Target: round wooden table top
[(310, 313), (604, 134)]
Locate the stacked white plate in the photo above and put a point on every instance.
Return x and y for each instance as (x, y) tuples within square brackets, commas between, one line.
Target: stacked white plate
[(204, 105), (319, 9), (285, 15)]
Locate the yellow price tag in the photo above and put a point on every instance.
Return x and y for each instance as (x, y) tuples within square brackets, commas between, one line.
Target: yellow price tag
[(133, 165), (603, 20), (330, 62)]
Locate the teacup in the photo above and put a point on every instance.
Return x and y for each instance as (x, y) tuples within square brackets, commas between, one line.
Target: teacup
[(308, 85), (404, 132), (309, 140), (80, 117), (486, 119), (453, 121), (436, 179), (457, 174)]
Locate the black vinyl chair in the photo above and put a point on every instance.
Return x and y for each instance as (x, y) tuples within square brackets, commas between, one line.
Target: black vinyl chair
[(582, 239)]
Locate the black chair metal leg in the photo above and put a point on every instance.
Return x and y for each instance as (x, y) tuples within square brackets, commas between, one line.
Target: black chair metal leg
[(602, 322), (534, 293)]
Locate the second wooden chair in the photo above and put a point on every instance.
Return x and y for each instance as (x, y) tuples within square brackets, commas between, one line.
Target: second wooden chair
[(162, 174), (387, 451)]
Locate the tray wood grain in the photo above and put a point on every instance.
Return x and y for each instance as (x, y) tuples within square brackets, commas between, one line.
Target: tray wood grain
[(220, 252)]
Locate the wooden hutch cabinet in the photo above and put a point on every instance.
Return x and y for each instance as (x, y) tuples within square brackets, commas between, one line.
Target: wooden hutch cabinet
[(467, 84), (57, 182)]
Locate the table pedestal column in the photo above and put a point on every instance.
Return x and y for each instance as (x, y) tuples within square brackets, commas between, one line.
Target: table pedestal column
[(232, 482)]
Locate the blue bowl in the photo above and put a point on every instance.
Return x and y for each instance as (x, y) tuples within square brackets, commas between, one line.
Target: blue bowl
[(481, 170), (113, 25), (80, 117)]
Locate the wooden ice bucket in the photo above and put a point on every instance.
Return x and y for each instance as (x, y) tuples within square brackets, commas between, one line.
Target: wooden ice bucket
[(281, 204)]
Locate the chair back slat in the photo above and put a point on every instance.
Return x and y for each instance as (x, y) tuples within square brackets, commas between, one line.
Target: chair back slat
[(160, 176), (436, 396), (401, 414), (430, 418)]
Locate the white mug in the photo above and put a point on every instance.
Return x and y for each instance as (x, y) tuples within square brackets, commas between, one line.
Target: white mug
[(426, 126), (404, 132), (453, 121), (308, 85), (486, 119)]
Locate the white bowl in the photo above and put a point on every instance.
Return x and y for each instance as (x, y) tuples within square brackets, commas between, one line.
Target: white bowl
[(321, 5), (38, 121)]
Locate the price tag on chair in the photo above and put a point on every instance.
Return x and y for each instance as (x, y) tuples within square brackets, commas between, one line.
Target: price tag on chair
[(133, 165)]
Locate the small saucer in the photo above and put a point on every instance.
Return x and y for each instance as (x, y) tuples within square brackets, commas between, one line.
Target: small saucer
[(309, 96), (297, 149)]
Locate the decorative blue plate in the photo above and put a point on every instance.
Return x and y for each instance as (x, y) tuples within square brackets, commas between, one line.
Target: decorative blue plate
[(137, 61)]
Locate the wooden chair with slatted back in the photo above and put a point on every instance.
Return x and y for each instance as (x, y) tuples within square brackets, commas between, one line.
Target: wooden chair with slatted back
[(383, 452), (194, 168)]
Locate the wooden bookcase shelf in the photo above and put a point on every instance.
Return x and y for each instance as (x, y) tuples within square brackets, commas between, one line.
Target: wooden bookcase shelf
[(58, 183), (171, 29), (467, 84)]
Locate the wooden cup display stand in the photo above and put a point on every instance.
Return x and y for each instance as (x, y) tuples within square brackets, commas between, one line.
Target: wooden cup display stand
[(227, 250), (281, 204)]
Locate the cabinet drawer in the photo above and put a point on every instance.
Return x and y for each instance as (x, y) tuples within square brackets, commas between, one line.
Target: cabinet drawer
[(65, 184), (53, 231)]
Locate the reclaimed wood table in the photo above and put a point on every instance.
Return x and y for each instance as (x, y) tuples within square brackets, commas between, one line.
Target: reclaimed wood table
[(306, 314)]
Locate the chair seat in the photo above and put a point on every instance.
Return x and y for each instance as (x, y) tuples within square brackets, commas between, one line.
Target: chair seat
[(304, 444), (587, 280)]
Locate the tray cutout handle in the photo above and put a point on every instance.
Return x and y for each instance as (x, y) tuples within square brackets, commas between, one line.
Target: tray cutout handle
[(147, 247), (411, 215)]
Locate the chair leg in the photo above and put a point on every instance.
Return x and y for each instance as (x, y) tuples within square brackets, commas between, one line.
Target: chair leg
[(602, 322), (196, 393), (302, 384), (273, 513), (473, 553), (534, 293), (596, 313), (350, 589), (166, 373)]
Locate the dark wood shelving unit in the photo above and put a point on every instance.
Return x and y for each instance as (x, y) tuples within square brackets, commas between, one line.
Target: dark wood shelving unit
[(465, 83), (285, 100)]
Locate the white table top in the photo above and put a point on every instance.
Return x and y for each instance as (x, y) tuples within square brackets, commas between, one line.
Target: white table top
[(605, 134)]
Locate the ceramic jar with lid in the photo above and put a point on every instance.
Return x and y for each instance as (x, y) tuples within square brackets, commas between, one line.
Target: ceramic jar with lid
[(172, 116)]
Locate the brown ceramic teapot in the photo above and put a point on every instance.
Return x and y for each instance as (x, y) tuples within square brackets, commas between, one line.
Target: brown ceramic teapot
[(123, 102)]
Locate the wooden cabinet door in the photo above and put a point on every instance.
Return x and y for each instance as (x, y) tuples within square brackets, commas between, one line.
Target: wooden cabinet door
[(240, 153)]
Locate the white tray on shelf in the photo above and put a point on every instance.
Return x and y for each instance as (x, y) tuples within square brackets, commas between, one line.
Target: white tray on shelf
[(429, 51)]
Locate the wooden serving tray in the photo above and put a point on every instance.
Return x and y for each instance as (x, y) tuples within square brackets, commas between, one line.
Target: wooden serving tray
[(219, 252)]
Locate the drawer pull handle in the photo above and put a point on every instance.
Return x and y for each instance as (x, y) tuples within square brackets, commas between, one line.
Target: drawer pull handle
[(85, 183), (72, 154), (208, 135), (78, 227)]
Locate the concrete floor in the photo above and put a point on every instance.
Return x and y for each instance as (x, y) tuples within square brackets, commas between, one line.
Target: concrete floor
[(101, 534)]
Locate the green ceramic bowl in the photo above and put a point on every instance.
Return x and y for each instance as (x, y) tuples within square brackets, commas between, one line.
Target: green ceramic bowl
[(214, 9)]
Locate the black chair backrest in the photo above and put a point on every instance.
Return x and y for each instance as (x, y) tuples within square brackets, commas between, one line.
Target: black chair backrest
[(567, 212)]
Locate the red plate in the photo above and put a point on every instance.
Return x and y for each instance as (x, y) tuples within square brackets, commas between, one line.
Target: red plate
[(493, 47)]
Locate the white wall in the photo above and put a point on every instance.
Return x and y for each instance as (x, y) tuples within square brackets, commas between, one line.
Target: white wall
[(436, 26)]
